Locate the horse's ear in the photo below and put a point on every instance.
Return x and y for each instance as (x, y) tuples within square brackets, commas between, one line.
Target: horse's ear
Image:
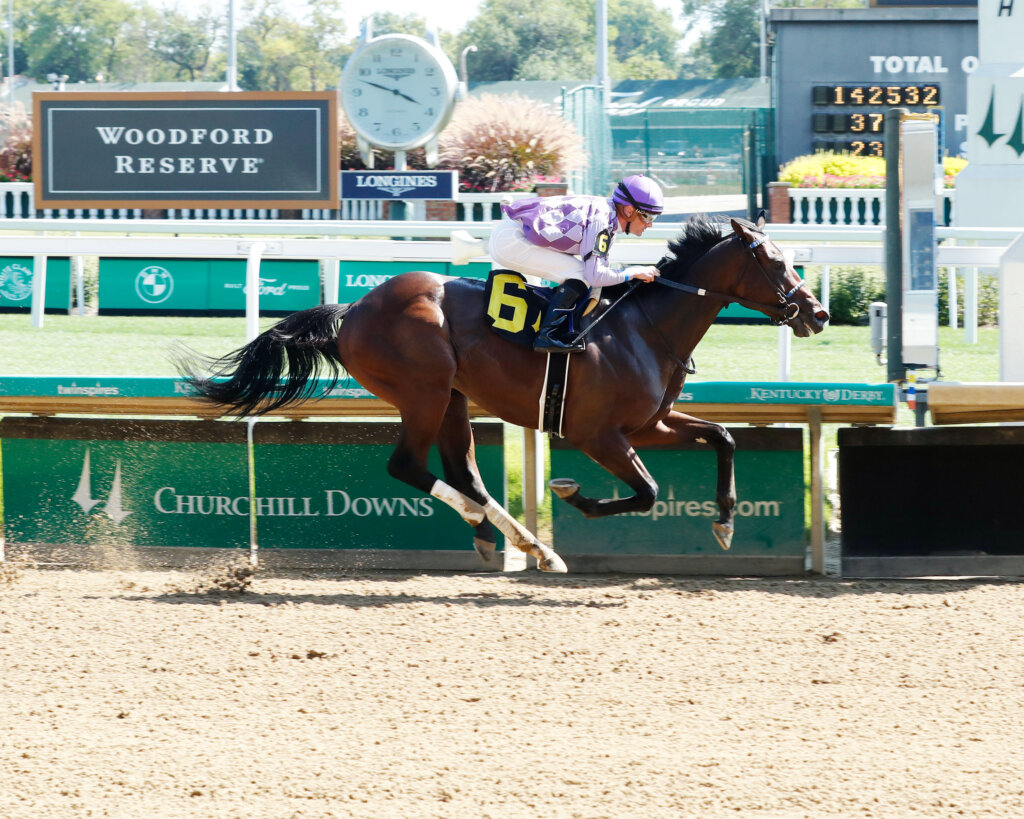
[(740, 230), (760, 220)]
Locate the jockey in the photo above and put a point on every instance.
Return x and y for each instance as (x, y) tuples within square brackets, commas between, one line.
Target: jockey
[(566, 239)]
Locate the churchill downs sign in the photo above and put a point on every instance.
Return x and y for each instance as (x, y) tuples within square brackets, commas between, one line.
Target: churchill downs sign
[(185, 149)]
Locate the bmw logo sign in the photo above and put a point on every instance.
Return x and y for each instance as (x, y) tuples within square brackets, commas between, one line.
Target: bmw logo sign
[(154, 284)]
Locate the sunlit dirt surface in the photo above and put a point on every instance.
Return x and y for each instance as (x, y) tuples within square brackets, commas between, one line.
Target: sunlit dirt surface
[(216, 694)]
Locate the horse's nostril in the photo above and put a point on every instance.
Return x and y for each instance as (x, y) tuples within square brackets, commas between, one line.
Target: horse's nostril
[(822, 316)]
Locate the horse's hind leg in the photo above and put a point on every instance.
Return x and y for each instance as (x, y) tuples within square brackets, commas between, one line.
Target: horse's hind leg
[(677, 428), (455, 443), (421, 423)]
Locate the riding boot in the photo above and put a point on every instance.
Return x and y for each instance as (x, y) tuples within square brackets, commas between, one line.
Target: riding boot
[(558, 328)]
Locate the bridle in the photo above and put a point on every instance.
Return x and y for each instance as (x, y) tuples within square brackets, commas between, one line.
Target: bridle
[(785, 310)]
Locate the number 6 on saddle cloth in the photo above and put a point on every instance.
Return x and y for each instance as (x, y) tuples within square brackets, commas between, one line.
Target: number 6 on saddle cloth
[(515, 308)]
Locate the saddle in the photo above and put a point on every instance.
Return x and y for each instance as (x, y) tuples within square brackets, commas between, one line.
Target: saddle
[(515, 308)]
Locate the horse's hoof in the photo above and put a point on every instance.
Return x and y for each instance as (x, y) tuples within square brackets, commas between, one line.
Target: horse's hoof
[(548, 560), (553, 564), (723, 534), (485, 548), (564, 487)]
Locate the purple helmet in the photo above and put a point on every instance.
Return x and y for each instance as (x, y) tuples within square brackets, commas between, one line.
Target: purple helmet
[(641, 192)]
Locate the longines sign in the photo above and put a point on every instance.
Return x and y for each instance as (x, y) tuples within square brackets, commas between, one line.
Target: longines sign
[(169, 150)]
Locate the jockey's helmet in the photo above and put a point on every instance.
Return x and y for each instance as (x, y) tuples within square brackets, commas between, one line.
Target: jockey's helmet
[(642, 192)]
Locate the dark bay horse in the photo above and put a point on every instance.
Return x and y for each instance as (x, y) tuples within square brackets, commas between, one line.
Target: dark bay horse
[(420, 342)]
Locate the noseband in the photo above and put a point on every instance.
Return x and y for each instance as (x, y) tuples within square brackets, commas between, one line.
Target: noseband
[(785, 310)]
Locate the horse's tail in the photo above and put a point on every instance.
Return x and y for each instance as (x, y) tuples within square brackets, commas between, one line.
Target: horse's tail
[(248, 381)]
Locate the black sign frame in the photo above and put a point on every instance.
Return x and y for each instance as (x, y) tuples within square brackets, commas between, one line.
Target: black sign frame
[(185, 150)]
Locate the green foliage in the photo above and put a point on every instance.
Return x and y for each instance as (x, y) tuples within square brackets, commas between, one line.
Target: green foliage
[(554, 40), (851, 291), (504, 143), (988, 299), (731, 47)]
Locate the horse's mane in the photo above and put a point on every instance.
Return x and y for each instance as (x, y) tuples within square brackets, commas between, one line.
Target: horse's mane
[(699, 234)]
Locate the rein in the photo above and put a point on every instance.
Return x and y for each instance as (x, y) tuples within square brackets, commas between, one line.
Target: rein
[(784, 311)]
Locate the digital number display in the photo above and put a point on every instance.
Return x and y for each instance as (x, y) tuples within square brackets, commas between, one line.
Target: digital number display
[(884, 95), (857, 147), (870, 123)]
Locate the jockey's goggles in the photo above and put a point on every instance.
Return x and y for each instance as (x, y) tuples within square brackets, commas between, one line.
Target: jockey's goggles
[(645, 217)]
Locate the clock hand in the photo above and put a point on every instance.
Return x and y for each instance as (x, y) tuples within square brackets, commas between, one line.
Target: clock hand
[(394, 91)]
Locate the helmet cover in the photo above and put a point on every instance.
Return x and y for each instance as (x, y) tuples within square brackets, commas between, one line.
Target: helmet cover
[(642, 192)]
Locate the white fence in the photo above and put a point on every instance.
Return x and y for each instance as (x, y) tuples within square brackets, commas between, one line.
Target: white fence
[(17, 201), (849, 206)]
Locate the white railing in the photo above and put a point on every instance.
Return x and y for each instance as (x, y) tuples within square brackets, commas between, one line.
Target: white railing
[(17, 201), (848, 206)]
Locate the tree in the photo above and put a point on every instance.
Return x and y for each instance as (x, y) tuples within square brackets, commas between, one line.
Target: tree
[(187, 43), (731, 47), (643, 41), (531, 40), (74, 37)]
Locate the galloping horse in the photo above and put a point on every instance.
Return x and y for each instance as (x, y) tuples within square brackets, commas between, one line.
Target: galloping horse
[(420, 342)]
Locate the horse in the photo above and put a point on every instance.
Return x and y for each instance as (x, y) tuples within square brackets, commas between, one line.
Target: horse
[(420, 341)]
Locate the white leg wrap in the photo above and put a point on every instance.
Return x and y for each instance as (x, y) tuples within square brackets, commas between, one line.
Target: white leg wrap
[(517, 534), (471, 511)]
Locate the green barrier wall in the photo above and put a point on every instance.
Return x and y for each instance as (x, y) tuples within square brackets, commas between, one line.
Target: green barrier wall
[(770, 512), (16, 276), (332, 479), (141, 483), (80, 484), (204, 285)]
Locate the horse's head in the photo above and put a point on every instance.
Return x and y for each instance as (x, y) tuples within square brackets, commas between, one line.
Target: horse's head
[(769, 282)]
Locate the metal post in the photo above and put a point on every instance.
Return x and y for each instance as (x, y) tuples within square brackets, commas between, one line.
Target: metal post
[(232, 49), (817, 491), (971, 306), (750, 171), (893, 247), (953, 309), (38, 291), (252, 291)]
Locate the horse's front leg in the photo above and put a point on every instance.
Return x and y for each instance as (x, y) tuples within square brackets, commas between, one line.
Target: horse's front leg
[(677, 428), (611, 450)]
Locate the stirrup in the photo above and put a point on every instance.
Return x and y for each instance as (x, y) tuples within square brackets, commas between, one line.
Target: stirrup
[(547, 344)]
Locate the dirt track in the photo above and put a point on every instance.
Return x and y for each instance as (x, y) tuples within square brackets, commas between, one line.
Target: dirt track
[(132, 694)]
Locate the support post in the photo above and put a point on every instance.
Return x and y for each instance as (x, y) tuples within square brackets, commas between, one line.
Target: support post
[(252, 291), (331, 280), (38, 291), (971, 306), (817, 491), (953, 308), (533, 463), (896, 372)]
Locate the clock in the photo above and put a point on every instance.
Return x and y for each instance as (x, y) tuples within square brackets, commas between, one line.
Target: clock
[(398, 92)]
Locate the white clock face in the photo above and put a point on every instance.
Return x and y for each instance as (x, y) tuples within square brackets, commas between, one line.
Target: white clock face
[(398, 91)]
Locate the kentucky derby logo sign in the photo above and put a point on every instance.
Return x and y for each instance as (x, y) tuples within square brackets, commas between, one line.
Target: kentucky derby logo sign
[(15, 282)]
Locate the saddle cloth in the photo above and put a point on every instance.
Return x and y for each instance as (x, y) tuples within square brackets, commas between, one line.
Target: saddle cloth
[(516, 308)]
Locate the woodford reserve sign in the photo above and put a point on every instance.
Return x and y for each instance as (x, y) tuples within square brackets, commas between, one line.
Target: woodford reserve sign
[(185, 149)]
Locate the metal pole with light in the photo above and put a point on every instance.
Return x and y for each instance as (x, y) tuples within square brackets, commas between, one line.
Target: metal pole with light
[(232, 51), (10, 49)]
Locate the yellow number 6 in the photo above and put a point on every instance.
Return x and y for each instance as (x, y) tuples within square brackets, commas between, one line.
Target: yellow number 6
[(500, 298), (602, 243)]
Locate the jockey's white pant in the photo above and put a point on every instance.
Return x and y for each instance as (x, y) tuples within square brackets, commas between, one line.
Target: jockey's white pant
[(509, 248)]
